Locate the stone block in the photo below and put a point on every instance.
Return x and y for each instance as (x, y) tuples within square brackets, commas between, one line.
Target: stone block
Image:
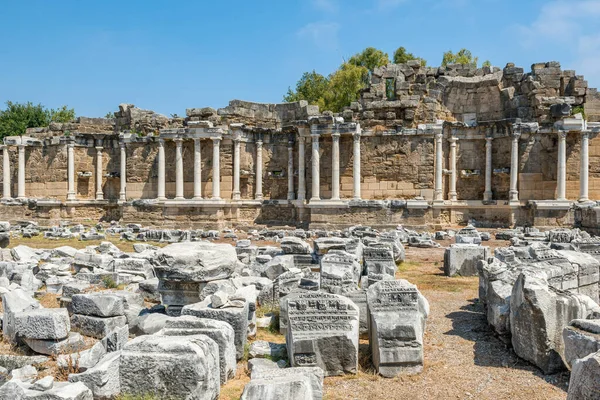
[(102, 379), (72, 343), (178, 367), (96, 327), (14, 303), (397, 314), (98, 305), (237, 317), (322, 332), (462, 259)]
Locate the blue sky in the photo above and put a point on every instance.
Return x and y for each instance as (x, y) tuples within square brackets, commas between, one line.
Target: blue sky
[(171, 55)]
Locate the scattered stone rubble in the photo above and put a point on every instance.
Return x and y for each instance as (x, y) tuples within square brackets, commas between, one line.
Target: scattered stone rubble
[(191, 306)]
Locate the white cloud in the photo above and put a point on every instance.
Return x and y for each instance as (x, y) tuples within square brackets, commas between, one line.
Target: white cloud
[(568, 27), (330, 6), (323, 34)]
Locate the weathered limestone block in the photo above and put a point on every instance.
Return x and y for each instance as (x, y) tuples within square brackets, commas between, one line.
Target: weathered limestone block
[(237, 317), (340, 272), (538, 314), (277, 266), (322, 332), (219, 331), (102, 379), (179, 367), (14, 303), (581, 338), (43, 324), (184, 268), (60, 391), (379, 263), (397, 314), (315, 374), (116, 339), (295, 245), (468, 235), (98, 304), (96, 326), (292, 387), (585, 376), (462, 259), (72, 343)]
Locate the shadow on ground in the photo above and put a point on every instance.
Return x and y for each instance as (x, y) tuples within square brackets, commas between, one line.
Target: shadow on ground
[(488, 350)]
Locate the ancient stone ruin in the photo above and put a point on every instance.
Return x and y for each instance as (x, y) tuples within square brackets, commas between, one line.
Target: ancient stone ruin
[(422, 146)]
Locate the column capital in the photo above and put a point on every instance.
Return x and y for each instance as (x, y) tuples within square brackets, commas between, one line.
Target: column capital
[(489, 138), (161, 142), (216, 139), (452, 140), (259, 143), (585, 134), (21, 146), (562, 135), (515, 135), (99, 148), (335, 135), (315, 136), (122, 144), (178, 140), (356, 136)]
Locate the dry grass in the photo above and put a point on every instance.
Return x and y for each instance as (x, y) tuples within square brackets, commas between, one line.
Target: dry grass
[(49, 300), (39, 242)]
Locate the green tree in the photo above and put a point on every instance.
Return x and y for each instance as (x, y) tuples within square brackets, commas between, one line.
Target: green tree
[(17, 117), (401, 56), (62, 114), (109, 115), (311, 87), (463, 56), (370, 58), (344, 86), (486, 63)]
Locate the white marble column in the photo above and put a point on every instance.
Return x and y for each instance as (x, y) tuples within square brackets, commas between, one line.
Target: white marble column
[(216, 180), (335, 166), (316, 181), (452, 186), (99, 192), (487, 195), (178, 169), (123, 174), (290, 170), (561, 169), (197, 169), (71, 172), (236, 169), (21, 173), (514, 168), (301, 169), (438, 195), (161, 170), (356, 166), (259, 170), (584, 173), (6, 173)]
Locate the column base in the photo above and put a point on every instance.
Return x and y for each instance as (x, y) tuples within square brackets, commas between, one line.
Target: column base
[(197, 198), (585, 200), (236, 196), (179, 198), (487, 196), (161, 198), (290, 196), (258, 197)]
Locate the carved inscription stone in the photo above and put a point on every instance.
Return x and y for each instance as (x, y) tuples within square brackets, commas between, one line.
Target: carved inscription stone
[(397, 314), (322, 332), (379, 263), (340, 272)]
